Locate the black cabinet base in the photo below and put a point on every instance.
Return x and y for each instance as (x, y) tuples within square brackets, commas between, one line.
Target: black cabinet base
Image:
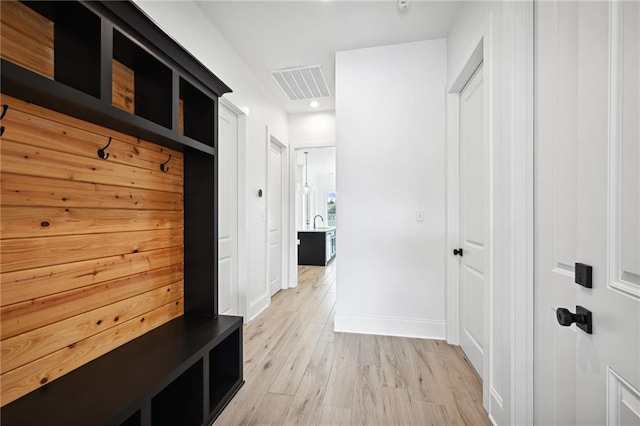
[(170, 373)]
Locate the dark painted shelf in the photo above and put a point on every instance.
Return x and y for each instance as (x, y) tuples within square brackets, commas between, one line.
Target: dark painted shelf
[(35, 88), (162, 366)]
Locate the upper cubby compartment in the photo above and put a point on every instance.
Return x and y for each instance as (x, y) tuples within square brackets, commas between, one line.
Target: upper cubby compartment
[(196, 116), (60, 40), (142, 85)]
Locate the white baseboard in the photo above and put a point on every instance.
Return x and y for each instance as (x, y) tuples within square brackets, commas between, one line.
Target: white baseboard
[(257, 306), (389, 326)]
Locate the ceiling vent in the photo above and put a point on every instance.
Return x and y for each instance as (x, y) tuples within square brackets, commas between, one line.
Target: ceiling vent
[(302, 82)]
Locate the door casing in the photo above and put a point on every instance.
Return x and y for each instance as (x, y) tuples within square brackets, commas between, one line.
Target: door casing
[(271, 139), (243, 249)]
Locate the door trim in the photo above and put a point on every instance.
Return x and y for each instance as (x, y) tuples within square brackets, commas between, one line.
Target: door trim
[(522, 211), (482, 52), (243, 245), (284, 161), (293, 231)]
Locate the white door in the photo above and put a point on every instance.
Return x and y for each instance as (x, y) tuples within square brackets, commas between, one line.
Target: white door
[(473, 217), (274, 196), (227, 212), (587, 131)]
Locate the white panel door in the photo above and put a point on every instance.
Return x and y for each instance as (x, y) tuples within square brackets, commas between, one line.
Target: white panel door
[(473, 217), (587, 132), (227, 212), (275, 218)]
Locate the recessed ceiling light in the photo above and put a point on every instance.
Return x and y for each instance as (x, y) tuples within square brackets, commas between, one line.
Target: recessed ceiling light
[(314, 104)]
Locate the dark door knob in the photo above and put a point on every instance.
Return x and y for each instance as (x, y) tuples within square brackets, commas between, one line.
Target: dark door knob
[(457, 252), (582, 318)]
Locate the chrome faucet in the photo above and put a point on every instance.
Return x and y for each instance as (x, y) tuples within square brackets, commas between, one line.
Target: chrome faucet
[(314, 220)]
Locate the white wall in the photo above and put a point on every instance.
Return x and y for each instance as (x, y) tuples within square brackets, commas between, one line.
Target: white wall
[(313, 129), (186, 23), (390, 128)]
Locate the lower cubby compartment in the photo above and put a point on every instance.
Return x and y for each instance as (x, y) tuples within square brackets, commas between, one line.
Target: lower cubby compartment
[(225, 370), (159, 378), (181, 401)]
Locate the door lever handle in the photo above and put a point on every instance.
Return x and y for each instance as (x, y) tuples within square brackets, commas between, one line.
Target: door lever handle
[(582, 318), (457, 252)]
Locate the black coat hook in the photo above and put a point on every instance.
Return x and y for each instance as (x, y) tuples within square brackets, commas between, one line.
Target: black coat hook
[(1, 130), (163, 166), (101, 153), (5, 107)]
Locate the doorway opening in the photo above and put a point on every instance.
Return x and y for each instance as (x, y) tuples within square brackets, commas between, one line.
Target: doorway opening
[(316, 202)]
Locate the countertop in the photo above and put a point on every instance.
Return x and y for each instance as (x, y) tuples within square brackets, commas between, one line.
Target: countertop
[(327, 229)]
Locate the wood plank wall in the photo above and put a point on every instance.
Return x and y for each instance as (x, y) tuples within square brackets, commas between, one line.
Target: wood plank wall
[(91, 250)]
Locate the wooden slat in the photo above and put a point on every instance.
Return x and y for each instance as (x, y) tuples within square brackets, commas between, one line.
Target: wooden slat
[(19, 190), (27, 347), (27, 316), (27, 222), (27, 160), (28, 253), (34, 130), (29, 284), (20, 105), (26, 38), (27, 378), (123, 87)]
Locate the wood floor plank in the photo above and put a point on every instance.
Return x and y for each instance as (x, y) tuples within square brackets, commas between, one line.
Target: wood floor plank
[(243, 406), (334, 416), (272, 410), (340, 389), (299, 351), (306, 406), (368, 401), (393, 358)]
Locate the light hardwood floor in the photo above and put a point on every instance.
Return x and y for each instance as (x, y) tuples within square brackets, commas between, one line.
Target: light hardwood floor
[(298, 371)]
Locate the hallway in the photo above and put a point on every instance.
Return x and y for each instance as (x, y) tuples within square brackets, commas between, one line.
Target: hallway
[(298, 371)]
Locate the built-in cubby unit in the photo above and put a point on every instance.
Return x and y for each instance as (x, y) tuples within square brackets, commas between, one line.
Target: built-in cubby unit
[(107, 64), (198, 111), (181, 401), (62, 43), (224, 369), (152, 82)]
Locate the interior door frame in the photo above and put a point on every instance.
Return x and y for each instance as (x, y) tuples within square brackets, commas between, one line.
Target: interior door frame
[(284, 161), (522, 213), (243, 244), (481, 54), (518, 20), (293, 231)]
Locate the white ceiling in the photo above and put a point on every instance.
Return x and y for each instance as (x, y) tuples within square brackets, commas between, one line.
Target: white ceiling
[(272, 35)]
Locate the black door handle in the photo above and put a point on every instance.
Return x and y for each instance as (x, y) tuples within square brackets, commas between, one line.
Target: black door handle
[(582, 318), (457, 252)]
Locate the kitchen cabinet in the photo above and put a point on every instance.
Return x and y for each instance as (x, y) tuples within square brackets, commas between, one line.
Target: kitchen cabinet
[(317, 246)]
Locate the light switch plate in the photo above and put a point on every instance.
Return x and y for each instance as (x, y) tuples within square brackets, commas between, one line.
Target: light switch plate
[(420, 216)]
